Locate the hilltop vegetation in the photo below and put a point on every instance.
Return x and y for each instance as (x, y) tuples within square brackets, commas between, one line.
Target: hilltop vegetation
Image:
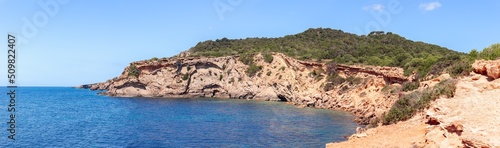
[(324, 44)]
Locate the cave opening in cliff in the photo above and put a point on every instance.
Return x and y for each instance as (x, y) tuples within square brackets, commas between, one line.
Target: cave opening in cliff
[(282, 98)]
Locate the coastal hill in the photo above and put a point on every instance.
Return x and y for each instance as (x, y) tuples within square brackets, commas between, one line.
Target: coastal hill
[(377, 48), (381, 77)]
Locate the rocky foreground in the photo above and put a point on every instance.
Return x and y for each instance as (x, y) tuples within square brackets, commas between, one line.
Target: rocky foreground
[(469, 119), (284, 79)]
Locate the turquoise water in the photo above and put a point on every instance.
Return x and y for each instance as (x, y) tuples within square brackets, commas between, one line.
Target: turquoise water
[(68, 117)]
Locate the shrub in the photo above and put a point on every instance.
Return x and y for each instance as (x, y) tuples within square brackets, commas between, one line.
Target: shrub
[(409, 86), (362, 94), (336, 79), (253, 69), (461, 68), (246, 59), (402, 109), (353, 80), (317, 75), (220, 77), (444, 63), (185, 77), (268, 57), (231, 80), (269, 73), (343, 89), (282, 68), (223, 66), (373, 123), (154, 59), (490, 53), (332, 81), (133, 71), (406, 106), (188, 68)]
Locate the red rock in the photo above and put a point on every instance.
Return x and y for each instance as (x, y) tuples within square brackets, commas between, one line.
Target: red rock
[(490, 68)]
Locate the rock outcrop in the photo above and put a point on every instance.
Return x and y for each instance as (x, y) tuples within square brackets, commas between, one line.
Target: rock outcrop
[(284, 79), (489, 68)]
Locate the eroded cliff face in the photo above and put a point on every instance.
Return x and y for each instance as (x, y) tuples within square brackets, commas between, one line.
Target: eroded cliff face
[(283, 79), (468, 119)]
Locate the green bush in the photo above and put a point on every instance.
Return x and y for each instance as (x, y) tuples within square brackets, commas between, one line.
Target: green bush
[(220, 77), (133, 71), (269, 73), (253, 69), (402, 109), (444, 63), (185, 76), (154, 59), (461, 68), (282, 68), (336, 79), (332, 81), (268, 57), (246, 59), (490, 53), (409, 86), (353, 80), (408, 105)]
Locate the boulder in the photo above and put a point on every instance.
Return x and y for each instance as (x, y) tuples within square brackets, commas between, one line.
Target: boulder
[(490, 68)]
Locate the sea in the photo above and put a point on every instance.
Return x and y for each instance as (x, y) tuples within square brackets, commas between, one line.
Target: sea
[(70, 117)]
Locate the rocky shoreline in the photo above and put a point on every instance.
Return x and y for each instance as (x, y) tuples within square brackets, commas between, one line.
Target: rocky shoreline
[(284, 79)]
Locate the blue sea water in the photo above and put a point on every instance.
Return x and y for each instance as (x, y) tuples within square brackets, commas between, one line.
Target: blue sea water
[(69, 117)]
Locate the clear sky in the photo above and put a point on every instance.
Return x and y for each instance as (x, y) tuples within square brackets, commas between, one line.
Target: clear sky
[(73, 42)]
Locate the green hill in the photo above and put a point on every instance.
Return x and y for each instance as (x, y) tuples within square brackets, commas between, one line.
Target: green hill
[(324, 44)]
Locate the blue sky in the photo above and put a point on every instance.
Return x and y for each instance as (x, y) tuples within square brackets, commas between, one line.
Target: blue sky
[(72, 42)]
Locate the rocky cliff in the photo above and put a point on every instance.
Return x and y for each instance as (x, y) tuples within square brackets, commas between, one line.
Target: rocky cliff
[(366, 91), (469, 119)]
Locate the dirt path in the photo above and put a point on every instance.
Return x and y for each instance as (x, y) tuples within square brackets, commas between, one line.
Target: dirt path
[(405, 134)]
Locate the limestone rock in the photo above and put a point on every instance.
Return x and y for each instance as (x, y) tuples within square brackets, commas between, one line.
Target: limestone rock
[(490, 68)]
